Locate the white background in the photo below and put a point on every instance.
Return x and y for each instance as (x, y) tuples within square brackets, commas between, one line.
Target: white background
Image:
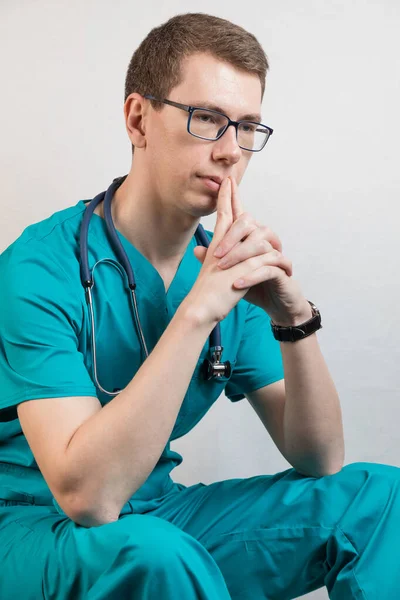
[(328, 182)]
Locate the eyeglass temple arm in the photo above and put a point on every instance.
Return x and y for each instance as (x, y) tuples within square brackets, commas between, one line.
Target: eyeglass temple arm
[(177, 104)]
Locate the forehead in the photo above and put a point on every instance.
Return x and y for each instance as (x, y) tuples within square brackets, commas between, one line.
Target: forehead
[(214, 81)]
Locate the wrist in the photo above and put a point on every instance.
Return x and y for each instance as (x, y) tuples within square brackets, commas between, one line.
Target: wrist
[(302, 316), (197, 317)]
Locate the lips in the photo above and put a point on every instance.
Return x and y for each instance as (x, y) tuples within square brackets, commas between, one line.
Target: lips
[(210, 184), (215, 178)]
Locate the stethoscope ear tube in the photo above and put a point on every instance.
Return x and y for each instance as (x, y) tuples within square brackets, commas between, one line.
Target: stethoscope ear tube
[(115, 241), (83, 241)]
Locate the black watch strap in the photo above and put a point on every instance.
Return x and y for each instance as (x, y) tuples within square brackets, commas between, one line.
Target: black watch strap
[(298, 332)]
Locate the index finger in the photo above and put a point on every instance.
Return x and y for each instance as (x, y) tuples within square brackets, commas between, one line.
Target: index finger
[(237, 207), (224, 211)]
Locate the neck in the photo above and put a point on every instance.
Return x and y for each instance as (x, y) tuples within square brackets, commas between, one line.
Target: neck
[(159, 231)]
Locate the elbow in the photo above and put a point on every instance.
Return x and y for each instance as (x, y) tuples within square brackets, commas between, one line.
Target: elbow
[(314, 468), (91, 519), (334, 470), (92, 516)]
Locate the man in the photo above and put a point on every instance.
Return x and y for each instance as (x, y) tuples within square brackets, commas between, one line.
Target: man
[(88, 507)]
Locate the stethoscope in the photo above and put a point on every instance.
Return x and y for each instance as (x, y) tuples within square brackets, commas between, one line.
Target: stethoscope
[(213, 368)]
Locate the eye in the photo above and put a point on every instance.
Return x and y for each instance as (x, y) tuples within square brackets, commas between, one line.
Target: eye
[(248, 127), (205, 118)]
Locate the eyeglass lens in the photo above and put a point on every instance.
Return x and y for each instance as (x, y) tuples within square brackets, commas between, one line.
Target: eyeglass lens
[(208, 125)]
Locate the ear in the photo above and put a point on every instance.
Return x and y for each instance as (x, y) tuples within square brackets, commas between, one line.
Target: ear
[(200, 253), (134, 111)]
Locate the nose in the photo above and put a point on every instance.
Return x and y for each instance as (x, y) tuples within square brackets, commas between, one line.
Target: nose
[(227, 147)]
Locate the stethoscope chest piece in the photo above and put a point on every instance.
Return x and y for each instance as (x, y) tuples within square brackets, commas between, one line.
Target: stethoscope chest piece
[(215, 368)]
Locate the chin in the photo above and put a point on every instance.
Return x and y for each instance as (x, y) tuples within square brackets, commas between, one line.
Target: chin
[(201, 206)]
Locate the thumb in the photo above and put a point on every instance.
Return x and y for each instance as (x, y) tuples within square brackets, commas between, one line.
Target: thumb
[(200, 253)]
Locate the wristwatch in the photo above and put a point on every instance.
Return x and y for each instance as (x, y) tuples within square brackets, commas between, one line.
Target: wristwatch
[(298, 332)]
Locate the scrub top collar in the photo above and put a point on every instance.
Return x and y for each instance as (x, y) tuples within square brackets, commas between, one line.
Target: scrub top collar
[(146, 275)]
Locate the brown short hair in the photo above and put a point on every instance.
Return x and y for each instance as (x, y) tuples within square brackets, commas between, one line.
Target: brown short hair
[(155, 67)]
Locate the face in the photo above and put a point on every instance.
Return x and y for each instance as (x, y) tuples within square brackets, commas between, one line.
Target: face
[(174, 159)]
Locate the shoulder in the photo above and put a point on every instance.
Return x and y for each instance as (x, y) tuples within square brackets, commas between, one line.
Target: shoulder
[(45, 243), (41, 267)]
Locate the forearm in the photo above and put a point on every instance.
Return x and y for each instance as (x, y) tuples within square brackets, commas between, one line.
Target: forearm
[(114, 451), (313, 429)]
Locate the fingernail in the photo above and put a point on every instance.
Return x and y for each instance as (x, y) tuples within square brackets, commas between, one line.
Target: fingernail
[(218, 252)]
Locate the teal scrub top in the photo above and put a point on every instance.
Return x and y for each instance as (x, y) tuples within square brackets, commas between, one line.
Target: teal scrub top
[(45, 340)]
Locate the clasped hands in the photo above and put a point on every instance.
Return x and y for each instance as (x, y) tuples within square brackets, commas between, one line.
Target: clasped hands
[(269, 281)]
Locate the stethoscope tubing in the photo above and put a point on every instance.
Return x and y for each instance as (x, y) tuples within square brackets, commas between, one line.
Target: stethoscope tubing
[(210, 369)]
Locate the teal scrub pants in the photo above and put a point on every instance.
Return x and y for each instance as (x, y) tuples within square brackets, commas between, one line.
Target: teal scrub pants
[(270, 536)]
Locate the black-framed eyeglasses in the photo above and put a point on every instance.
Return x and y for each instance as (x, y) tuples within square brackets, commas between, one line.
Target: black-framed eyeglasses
[(210, 125)]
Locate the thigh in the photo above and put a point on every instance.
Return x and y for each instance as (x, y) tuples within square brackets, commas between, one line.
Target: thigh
[(271, 531), (282, 500)]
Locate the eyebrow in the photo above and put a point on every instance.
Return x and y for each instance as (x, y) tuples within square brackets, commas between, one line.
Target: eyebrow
[(211, 106)]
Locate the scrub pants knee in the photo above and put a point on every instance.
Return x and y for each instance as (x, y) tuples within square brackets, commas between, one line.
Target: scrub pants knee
[(138, 557)]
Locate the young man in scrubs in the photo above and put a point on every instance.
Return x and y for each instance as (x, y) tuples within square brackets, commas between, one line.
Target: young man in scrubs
[(88, 508)]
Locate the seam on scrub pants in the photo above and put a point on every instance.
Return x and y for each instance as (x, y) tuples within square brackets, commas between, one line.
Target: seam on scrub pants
[(352, 570), (248, 534)]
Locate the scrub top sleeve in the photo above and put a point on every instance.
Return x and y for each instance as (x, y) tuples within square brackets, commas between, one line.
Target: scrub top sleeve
[(41, 315), (259, 359)]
